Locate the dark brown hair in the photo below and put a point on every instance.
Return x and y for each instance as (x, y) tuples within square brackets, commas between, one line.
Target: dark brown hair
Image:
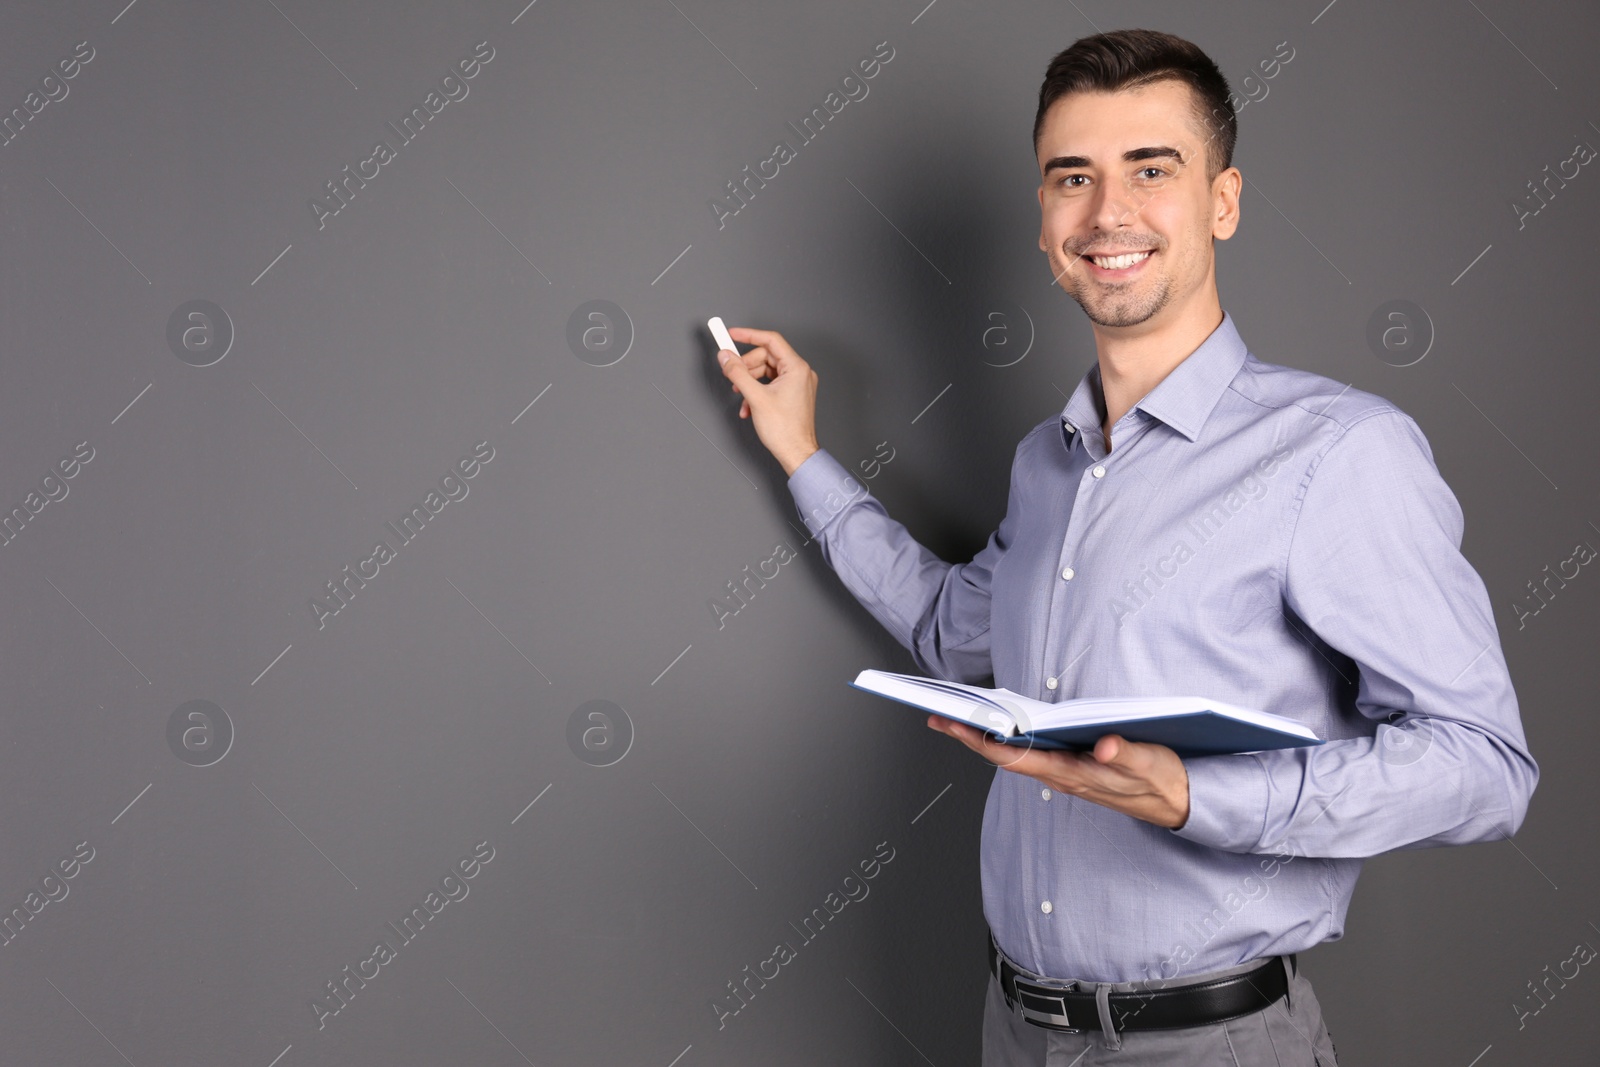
[(1132, 59)]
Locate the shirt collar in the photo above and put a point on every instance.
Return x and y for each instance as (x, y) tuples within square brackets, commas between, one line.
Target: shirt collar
[(1184, 398)]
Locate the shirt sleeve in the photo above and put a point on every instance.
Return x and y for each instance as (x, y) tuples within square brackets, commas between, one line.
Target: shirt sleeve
[(1374, 569), (938, 611)]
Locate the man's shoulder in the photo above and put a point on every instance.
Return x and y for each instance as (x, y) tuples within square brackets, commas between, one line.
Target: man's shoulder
[(1313, 413), (1321, 403)]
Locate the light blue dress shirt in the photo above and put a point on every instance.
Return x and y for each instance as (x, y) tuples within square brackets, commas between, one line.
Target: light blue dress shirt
[(1258, 535)]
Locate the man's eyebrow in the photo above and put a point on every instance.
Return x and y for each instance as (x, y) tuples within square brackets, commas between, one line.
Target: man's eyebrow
[(1133, 155)]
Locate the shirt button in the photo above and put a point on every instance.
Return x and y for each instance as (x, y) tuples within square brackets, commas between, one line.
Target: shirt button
[(1067, 573), (1099, 472), (1045, 793), (1049, 683), (1046, 907)]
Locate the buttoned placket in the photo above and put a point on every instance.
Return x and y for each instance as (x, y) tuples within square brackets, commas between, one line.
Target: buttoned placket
[(1133, 426), (1094, 479), (1064, 568)]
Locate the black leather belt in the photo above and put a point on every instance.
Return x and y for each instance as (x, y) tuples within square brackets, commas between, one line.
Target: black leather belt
[(1154, 1009)]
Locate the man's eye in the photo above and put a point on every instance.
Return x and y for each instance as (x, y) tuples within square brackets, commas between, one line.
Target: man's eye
[(1068, 179), (1159, 172)]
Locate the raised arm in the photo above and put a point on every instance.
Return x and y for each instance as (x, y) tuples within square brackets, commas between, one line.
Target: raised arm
[(938, 611)]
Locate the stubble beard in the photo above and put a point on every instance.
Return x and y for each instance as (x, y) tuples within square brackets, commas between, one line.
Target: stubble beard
[(1120, 304)]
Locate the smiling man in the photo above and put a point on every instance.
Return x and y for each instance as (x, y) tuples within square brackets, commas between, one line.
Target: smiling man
[(1194, 521)]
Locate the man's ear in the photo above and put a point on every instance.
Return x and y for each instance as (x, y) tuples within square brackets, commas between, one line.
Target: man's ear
[(1225, 203), (1042, 247)]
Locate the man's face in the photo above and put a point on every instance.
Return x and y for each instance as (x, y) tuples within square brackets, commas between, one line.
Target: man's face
[(1096, 201)]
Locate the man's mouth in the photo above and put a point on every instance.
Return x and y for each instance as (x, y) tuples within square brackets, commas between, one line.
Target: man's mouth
[(1119, 266)]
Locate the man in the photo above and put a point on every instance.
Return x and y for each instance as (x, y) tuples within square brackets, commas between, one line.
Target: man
[(1195, 521)]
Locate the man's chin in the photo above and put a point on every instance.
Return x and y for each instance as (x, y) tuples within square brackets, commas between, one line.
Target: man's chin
[(1103, 314), (1121, 320)]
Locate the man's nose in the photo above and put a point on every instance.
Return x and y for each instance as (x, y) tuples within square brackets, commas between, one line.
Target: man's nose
[(1115, 203)]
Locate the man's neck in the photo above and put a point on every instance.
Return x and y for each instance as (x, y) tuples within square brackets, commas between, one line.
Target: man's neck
[(1134, 359)]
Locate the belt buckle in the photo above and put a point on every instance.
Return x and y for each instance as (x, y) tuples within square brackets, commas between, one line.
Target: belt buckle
[(1048, 1007), (1045, 1009)]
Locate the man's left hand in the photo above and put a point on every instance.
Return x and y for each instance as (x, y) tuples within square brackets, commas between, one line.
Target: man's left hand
[(1145, 781)]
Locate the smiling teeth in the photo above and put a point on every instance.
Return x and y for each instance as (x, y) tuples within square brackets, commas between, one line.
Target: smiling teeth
[(1119, 262)]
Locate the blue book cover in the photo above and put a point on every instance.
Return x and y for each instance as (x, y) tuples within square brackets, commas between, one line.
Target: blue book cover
[(1189, 725)]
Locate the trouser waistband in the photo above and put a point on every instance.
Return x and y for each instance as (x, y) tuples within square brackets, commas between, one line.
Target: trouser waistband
[(1071, 1007)]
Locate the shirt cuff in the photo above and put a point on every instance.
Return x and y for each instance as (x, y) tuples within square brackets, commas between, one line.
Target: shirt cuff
[(822, 487), (1227, 802)]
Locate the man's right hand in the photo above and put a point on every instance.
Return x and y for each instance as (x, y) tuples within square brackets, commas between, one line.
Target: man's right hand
[(785, 409)]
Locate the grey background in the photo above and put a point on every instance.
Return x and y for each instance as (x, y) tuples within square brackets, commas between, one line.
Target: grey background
[(429, 714)]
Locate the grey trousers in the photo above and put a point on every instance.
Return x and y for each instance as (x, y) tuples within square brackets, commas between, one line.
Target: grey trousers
[(1289, 1033)]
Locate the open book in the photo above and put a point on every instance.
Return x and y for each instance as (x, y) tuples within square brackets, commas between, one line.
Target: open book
[(1190, 726)]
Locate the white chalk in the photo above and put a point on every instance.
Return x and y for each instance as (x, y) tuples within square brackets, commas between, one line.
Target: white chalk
[(720, 333)]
